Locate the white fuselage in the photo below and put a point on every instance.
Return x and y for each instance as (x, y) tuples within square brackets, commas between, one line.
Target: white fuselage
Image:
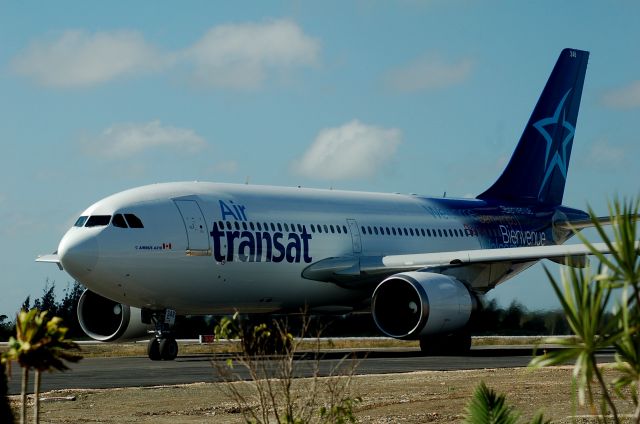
[(208, 247)]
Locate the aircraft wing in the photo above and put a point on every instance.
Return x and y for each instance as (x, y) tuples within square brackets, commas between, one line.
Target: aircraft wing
[(52, 258), (510, 254), (362, 271)]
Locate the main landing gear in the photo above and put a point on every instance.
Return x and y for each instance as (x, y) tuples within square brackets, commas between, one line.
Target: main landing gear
[(452, 344), (163, 345)]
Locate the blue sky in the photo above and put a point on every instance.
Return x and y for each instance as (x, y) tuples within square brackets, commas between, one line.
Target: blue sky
[(408, 96)]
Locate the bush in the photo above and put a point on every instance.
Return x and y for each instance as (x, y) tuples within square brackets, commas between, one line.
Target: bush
[(273, 394)]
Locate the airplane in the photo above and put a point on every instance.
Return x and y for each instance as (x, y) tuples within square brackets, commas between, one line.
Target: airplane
[(419, 264)]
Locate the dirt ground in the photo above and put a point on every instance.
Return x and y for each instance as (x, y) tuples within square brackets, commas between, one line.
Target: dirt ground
[(419, 397)]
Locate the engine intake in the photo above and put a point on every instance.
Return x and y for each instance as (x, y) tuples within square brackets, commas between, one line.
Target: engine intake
[(410, 305), (106, 320)]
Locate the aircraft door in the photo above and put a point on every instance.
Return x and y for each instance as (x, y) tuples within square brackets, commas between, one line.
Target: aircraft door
[(195, 226), (355, 235)]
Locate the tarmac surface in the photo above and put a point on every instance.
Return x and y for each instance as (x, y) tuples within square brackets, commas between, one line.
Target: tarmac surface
[(99, 373)]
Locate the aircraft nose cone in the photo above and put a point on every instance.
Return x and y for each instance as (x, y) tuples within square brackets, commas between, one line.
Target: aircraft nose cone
[(78, 253)]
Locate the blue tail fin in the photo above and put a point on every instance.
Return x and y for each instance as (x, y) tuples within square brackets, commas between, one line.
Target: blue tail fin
[(537, 171)]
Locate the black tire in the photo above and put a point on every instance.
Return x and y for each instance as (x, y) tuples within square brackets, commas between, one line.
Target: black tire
[(168, 349), (453, 344), (153, 349)]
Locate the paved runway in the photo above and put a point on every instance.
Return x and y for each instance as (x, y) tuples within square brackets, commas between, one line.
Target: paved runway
[(95, 373)]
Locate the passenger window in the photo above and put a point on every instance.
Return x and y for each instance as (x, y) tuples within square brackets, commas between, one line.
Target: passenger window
[(98, 221), (300, 227), (80, 222), (244, 226), (228, 225), (393, 230), (332, 229), (252, 226), (364, 230), (344, 228), (286, 227), (406, 233), (118, 221), (375, 230), (259, 226), (279, 227), (235, 224), (319, 228), (326, 229), (273, 227), (313, 228), (338, 229)]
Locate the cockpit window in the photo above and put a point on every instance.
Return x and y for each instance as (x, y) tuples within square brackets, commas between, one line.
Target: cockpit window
[(80, 222), (98, 221), (118, 221), (134, 221)]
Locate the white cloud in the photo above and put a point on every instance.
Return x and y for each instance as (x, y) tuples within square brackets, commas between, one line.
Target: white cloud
[(237, 56), (123, 140), (603, 154), (428, 74), (78, 58), (242, 55), (627, 97), (351, 151)]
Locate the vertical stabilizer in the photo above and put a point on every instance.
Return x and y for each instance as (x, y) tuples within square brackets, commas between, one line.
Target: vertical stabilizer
[(537, 171)]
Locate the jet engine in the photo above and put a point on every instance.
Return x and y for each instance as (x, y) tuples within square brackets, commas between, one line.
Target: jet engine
[(106, 321), (412, 305)]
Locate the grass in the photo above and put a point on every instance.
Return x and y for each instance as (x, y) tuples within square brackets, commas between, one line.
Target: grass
[(139, 348)]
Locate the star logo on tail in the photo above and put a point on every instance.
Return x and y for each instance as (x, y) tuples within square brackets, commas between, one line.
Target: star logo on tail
[(558, 140)]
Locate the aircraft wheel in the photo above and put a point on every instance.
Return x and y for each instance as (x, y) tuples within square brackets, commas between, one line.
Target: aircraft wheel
[(168, 349), (153, 349), (458, 343)]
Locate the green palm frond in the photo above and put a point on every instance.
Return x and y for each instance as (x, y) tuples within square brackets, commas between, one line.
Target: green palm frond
[(488, 407), (41, 343)]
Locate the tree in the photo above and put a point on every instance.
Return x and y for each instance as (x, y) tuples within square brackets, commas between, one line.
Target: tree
[(6, 328), (6, 416), (40, 343)]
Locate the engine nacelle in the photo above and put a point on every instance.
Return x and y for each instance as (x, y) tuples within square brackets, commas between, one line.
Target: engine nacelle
[(106, 321), (410, 305)]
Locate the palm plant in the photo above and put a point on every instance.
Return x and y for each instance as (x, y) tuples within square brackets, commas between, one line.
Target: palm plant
[(488, 407), (40, 343), (585, 299)]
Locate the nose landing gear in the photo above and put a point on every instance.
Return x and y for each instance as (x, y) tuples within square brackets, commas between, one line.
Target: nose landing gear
[(163, 345)]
